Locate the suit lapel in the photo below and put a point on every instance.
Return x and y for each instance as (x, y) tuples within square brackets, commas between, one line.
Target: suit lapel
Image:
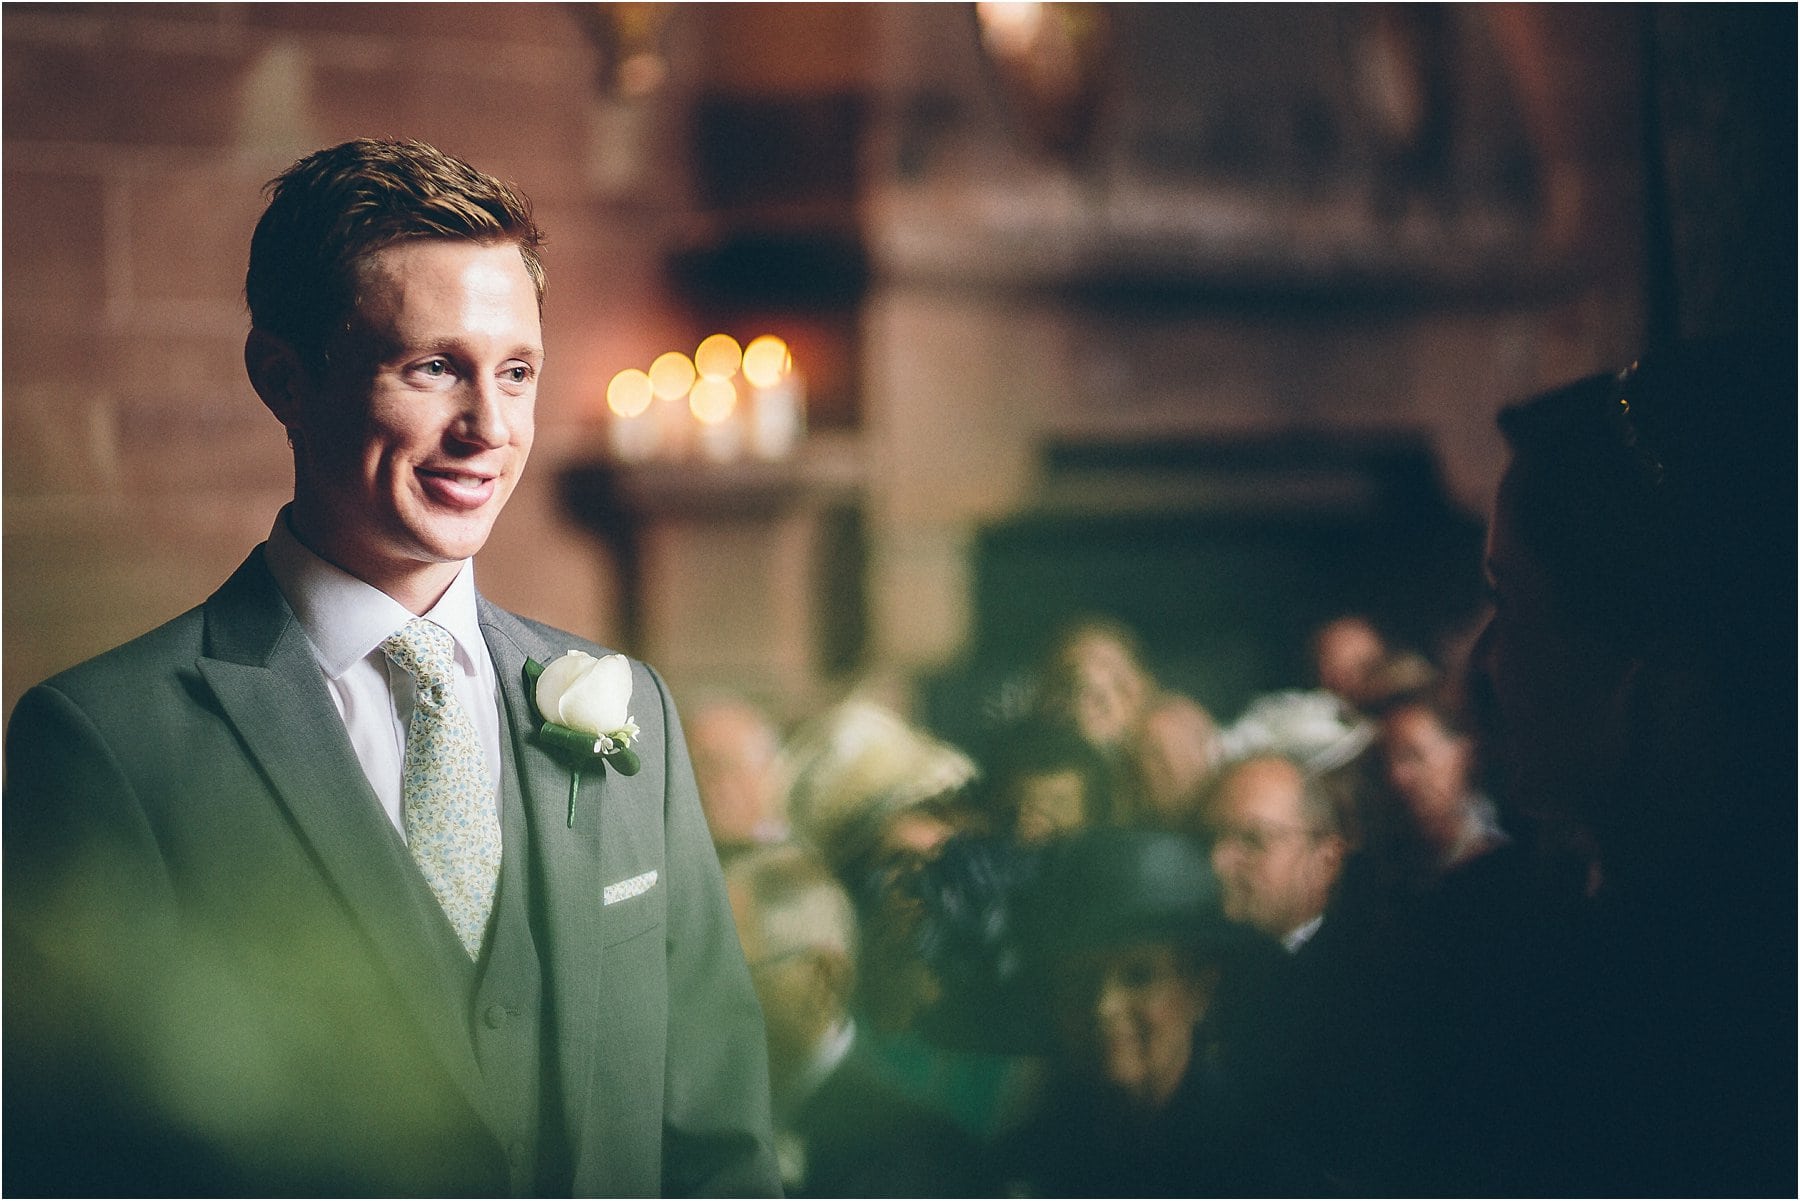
[(268, 684)]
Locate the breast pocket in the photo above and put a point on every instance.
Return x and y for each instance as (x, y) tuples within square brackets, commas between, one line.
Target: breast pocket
[(631, 906)]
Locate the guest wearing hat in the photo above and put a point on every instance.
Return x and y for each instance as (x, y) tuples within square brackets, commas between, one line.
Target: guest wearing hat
[(862, 784), (876, 798), (1130, 940), (879, 799)]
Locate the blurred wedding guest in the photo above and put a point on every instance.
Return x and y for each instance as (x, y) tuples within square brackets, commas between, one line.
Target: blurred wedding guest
[(1177, 747), (971, 904), (1045, 780), (1346, 652), (1388, 858), (1096, 680), (1334, 740), (1308, 1035), (1640, 664), (1130, 938), (870, 792), (734, 746), (1158, 743), (879, 799), (840, 1129), (1429, 760), (1276, 847)]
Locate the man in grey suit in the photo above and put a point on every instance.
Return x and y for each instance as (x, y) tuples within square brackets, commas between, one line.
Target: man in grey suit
[(299, 896)]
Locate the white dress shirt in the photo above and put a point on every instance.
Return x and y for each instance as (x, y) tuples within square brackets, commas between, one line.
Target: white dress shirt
[(1300, 935), (347, 620), (790, 1147)]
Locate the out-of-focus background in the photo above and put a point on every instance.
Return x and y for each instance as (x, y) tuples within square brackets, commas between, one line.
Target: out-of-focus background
[(1195, 316)]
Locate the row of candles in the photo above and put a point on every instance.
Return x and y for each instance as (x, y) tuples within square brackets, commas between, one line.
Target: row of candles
[(721, 403)]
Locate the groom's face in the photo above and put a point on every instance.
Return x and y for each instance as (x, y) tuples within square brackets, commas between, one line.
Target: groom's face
[(420, 427)]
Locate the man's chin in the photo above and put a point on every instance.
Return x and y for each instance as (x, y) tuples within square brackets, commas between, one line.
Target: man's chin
[(451, 540)]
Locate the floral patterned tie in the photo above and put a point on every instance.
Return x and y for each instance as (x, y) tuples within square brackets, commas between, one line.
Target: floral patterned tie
[(451, 825)]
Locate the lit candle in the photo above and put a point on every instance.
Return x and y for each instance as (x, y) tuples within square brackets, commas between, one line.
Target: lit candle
[(714, 403), (632, 429), (778, 416)]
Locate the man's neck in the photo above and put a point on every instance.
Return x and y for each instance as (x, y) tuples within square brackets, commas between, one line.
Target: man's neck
[(415, 586)]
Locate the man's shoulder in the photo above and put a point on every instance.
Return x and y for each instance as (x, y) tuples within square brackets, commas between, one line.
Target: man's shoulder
[(161, 652), (138, 692), (172, 649)]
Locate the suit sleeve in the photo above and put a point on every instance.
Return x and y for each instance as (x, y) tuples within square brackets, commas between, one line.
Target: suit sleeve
[(89, 913), (69, 809), (716, 1126)]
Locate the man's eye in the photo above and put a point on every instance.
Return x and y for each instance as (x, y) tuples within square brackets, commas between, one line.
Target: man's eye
[(518, 375), (434, 368)]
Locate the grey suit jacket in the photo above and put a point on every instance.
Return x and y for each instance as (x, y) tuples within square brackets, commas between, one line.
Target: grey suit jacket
[(223, 969)]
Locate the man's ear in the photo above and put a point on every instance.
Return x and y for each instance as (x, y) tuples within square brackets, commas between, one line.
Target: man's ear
[(1331, 850), (277, 374)]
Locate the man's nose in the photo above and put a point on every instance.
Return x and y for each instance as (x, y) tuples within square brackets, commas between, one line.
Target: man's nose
[(486, 419)]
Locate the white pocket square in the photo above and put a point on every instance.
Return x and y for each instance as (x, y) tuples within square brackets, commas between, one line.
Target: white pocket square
[(624, 890)]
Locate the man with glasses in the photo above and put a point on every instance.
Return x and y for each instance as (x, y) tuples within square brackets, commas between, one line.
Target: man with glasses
[(1306, 1033), (841, 1129), (1276, 847)]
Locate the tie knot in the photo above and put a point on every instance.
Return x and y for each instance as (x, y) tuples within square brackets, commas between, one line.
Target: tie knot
[(425, 650)]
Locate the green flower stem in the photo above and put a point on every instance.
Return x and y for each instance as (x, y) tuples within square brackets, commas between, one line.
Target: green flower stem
[(572, 743), (574, 787)]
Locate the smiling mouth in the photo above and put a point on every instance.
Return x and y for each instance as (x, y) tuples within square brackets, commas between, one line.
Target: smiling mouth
[(457, 489)]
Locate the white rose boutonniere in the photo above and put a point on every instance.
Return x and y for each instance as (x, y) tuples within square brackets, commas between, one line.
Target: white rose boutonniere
[(584, 710)]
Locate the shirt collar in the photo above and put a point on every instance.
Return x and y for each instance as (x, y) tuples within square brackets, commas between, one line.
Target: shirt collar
[(346, 619), (1296, 938), (826, 1057)]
